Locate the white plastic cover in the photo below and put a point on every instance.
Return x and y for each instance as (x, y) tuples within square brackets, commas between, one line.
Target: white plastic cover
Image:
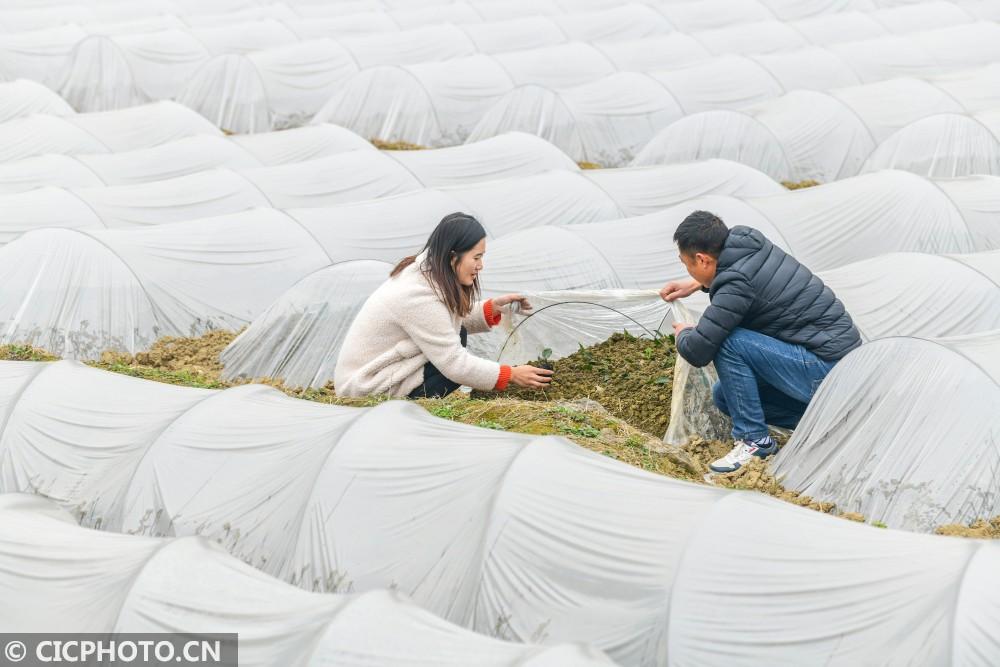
[(430, 105), (73, 135), (268, 90), (205, 152), (348, 177), (604, 123), (826, 228), (486, 517), (132, 584), (106, 72), (784, 61), (731, 135), (195, 279), (759, 37), (909, 124), (940, 146), (22, 98), (56, 170), (871, 438)]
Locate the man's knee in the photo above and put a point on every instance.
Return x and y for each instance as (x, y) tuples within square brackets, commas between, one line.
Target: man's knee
[(719, 398), (738, 339)]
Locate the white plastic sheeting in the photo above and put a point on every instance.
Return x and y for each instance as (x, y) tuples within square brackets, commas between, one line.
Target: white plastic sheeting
[(287, 85), (873, 439), (119, 583), (943, 146), (380, 103), (103, 132), (502, 533), (182, 157), (102, 67), (586, 121), (943, 126), (266, 70), (298, 337), (609, 121), (563, 193), (26, 98), (185, 278)]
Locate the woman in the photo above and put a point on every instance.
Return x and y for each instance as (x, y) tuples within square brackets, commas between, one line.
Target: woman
[(409, 338)]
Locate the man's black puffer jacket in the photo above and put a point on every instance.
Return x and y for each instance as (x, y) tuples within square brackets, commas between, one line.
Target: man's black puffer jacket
[(759, 286)]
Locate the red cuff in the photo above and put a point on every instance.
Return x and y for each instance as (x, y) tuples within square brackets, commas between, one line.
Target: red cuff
[(504, 377), (491, 319)]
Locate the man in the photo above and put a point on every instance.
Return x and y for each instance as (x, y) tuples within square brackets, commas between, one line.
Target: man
[(773, 329)]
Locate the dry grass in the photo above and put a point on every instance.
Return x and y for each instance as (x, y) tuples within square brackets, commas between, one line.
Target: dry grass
[(396, 145), (589, 165), (983, 529), (798, 185)]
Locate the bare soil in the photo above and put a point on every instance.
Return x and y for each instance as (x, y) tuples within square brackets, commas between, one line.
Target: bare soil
[(631, 377)]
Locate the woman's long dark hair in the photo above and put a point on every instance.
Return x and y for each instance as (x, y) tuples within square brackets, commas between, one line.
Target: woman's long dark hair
[(455, 235)]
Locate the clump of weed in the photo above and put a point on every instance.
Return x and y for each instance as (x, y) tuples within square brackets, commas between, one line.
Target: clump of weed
[(25, 353)]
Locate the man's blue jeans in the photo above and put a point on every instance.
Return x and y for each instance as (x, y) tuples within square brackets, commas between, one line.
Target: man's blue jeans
[(763, 380)]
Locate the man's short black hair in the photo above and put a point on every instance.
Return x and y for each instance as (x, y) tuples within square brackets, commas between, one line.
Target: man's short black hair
[(701, 232)]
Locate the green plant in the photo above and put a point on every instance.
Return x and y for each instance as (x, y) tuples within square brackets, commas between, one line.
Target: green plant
[(546, 354), (635, 442), (583, 431), (879, 524), (575, 415), (24, 353), (446, 411), (487, 423)]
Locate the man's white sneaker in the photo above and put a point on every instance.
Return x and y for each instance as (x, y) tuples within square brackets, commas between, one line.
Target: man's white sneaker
[(741, 454)]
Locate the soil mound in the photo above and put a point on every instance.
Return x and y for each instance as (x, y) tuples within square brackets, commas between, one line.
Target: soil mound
[(199, 356), (631, 377), (984, 529), (755, 476)]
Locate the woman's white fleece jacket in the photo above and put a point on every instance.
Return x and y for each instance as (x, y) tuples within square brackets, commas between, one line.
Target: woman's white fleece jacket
[(403, 325)]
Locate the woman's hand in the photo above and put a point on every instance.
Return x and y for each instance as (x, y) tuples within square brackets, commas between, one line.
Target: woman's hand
[(530, 377), (678, 289), (501, 301)]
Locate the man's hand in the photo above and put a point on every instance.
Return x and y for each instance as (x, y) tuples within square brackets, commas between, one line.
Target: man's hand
[(680, 326), (678, 289), (501, 301)]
